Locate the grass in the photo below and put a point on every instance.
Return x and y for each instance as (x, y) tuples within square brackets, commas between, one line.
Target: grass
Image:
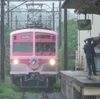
[(10, 91), (56, 86)]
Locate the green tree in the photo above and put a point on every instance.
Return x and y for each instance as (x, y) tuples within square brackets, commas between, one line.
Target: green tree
[(7, 49), (72, 44)]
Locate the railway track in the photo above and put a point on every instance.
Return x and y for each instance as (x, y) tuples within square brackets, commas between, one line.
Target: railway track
[(44, 95), (22, 97), (54, 95)]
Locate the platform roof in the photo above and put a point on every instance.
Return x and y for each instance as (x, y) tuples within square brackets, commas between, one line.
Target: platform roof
[(83, 6), (32, 0)]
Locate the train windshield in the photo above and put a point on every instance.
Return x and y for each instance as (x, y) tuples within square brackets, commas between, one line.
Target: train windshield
[(45, 47), (22, 47)]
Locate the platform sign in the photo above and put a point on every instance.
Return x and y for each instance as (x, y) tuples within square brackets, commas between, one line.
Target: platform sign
[(84, 24)]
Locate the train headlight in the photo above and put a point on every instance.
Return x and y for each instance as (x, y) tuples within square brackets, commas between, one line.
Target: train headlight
[(52, 62), (15, 61)]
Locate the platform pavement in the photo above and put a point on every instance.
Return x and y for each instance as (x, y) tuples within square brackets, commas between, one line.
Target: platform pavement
[(77, 82)]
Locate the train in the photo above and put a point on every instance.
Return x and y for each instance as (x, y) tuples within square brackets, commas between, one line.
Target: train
[(33, 58)]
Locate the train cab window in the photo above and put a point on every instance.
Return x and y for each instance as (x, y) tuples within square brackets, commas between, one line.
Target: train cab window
[(22, 47), (45, 47)]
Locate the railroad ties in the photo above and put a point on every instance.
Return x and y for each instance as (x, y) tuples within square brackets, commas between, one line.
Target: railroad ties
[(22, 97), (45, 96)]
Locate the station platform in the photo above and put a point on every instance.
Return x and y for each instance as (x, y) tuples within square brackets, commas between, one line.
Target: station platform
[(76, 85)]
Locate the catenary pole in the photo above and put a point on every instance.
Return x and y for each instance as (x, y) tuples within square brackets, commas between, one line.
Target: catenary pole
[(2, 42), (8, 12), (11, 18), (65, 41), (53, 17), (60, 23)]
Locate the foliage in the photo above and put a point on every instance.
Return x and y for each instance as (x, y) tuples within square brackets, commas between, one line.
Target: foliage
[(7, 90), (72, 42), (56, 86), (8, 84), (61, 57), (10, 91), (30, 94), (7, 39), (7, 50)]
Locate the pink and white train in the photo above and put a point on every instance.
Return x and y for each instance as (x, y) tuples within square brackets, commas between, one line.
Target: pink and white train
[(34, 58)]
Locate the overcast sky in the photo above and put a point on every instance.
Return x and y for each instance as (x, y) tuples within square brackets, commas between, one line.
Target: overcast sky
[(47, 5)]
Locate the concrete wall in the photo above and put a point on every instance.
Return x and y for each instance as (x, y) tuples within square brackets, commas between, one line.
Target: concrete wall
[(76, 85)]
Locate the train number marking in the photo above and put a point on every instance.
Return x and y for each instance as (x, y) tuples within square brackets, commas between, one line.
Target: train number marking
[(25, 36)]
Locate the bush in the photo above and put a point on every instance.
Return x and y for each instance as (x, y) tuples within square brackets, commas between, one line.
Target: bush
[(10, 91), (56, 86)]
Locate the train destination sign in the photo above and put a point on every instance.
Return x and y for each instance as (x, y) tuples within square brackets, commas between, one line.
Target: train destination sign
[(42, 36), (25, 36)]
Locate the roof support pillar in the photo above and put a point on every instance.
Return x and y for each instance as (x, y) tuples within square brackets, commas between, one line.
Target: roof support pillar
[(65, 41)]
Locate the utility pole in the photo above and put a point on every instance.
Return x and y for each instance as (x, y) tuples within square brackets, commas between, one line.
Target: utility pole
[(16, 22), (60, 37), (2, 42), (8, 12), (53, 17), (11, 18), (65, 41)]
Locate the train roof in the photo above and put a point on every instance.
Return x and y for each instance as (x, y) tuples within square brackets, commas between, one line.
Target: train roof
[(33, 30)]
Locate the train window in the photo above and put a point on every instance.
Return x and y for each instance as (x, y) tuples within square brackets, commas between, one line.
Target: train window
[(48, 36), (22, 47), (45, 47)]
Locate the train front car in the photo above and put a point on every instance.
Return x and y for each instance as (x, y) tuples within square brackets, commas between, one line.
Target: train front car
[(34, 58)]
